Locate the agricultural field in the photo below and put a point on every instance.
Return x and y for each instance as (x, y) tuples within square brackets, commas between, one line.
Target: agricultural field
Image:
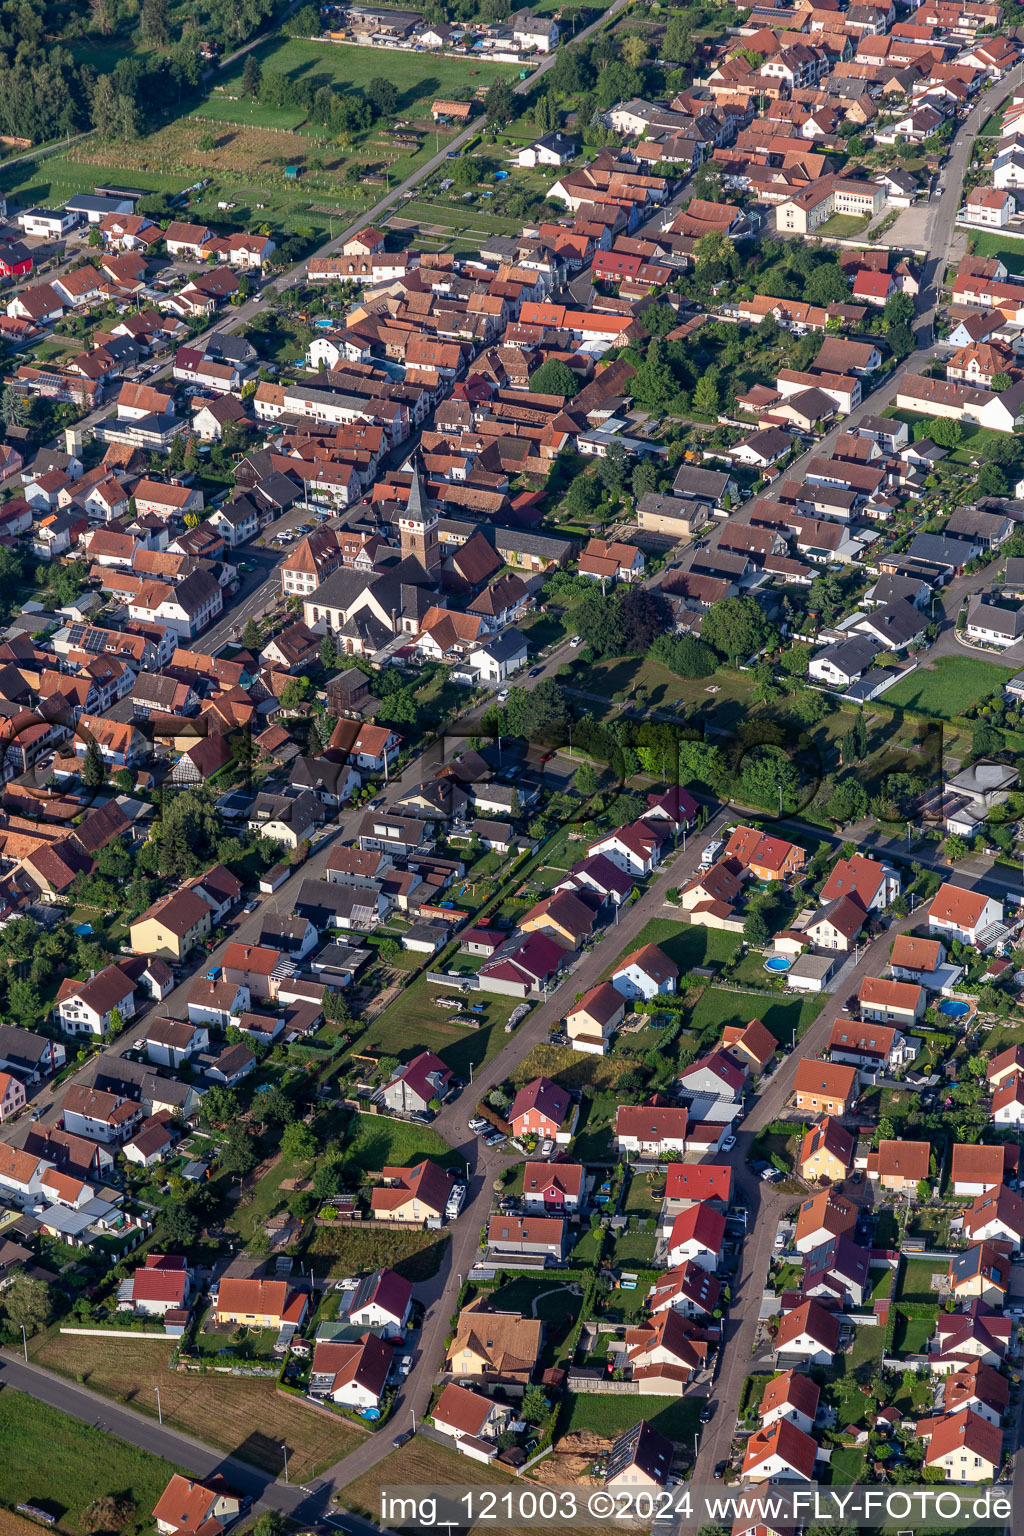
[(223, 1411), (949, 685), (61, 1466), (423, 1464)]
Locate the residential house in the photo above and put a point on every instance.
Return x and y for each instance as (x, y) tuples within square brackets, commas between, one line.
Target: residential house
[(592, 1021), (696, 1237), (823, 1217), (259, 1303), (417, 1195), (650, 1131), (826, 1152), (809, 1332), (781, 1453), (639, 1458), (530, 1237), (555, 1188), (188, 1507), (790, 1395), (420, 1083), (900, 1165), (962, 914), (827, 1089), (351, 1372), (645, 973), (545, 1110), (964, 1447), (469, 1419), (891, 1002), (496, 1348)]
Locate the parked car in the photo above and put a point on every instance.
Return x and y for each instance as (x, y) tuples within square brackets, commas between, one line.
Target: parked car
[(728, 1143), (576, 642), (707, 1413), (402, 1439), (720, 1469), (536, 671), (496, 1139)]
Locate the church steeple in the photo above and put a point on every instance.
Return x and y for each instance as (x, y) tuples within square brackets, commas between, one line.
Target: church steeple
[(417, 525)]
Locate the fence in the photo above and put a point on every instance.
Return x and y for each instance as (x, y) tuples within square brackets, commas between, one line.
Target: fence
[(582, 1382), (118, 1333)]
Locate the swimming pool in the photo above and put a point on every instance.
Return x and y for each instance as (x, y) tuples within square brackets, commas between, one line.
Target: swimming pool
[(778, 965), (953, 1008)]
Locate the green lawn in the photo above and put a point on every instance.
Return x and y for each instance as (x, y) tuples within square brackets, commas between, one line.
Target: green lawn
[(61, 1466), (846, 1466), (611, 1415), (949, 686), (915, 1280), (717, 1008), (1010, 252), (844, 225), (641, 1199), (413, 1022), (222, 108), (686, 945), (634, 1249), (911, 1334), (419, 78), (372, 1141), (548, 1300)]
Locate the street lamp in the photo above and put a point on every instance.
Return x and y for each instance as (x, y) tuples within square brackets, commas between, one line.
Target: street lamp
[(284, 1448), (24, 1341), (159, 1409)]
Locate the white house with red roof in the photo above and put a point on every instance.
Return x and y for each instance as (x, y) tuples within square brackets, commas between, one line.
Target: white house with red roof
[(471, 1420), (1008, 1101), (351, 1372), (647, 972), (688, 1184), (780, 1453), (663, 1355), (162, 1285), (651, 1130), (696, 1235), (674, 805), (960, 914), (870, 287), (688, 1289), (188, 1507), (868, 882), (790, 1395), (544, 1109), (555, 1187), (809, 1332), (381, 1302), (635, 849), (998, 1213)]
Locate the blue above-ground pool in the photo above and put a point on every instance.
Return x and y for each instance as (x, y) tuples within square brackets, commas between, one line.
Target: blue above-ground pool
[(953, 1008), (778, 965)]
